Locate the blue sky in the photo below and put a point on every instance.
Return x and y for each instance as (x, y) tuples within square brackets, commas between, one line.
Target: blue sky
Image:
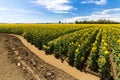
[(40, 11)]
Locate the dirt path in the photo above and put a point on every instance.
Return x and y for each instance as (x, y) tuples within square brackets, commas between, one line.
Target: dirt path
[(113, 66), (8, 70), (19, 62), (57, 63)]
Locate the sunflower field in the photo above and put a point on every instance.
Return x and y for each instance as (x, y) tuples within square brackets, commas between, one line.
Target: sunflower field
[(93, 47)]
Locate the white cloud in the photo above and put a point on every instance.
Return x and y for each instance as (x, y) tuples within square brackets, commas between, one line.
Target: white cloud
[(108, 11), (25, 11), (22, 10), (112, 14), (97, 2), (56, 6), (3, 9)]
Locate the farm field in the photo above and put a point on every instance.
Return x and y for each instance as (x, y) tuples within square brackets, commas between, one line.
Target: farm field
[(93, 48), (17, 62)]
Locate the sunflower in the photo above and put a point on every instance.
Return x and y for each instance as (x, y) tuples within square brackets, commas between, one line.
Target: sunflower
[(76, 50), (102, 60), (93, 49), (104, 48), (119, 55), (105, 44), (118, 41), (106, 52)]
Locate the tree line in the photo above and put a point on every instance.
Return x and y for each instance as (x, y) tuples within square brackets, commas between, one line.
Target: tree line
[(100, 21)]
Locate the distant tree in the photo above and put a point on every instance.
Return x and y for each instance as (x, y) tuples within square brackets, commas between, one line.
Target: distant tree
[(59, 22), (76, 22), (100, 21)]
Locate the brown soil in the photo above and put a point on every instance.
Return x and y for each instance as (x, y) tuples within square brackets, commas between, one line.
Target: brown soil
[(19, 62)]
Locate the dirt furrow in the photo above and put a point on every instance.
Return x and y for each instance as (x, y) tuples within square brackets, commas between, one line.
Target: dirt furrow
[(57, 63)]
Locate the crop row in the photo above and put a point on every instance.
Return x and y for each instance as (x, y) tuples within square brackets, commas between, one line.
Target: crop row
[(96, 48)]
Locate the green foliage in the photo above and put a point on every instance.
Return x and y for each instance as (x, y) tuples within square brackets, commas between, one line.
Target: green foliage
[(79, 45)]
